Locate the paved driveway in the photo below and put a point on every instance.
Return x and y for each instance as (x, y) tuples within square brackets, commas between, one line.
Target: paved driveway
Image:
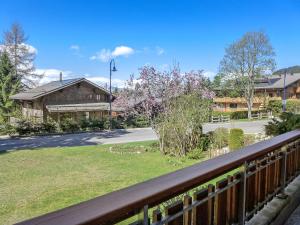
[(79, 139), (251, 127), (111, 137)]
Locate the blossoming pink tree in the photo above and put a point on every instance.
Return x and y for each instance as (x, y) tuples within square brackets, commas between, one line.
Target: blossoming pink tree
[(154, 93)]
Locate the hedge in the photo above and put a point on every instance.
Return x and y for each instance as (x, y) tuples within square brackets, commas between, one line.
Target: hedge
[(237, 115), (292, 105), (236, 139)]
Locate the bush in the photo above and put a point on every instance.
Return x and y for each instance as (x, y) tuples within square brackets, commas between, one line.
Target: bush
[(220, 137), (84, 124), (293, 105), (50, 126), (287, 122), (116, 123), (217, 113), (7, 128), (136, 121), (195, 154), (24, 127), (236, 139), (180, 127), (239, 115), (203, 145), (275, 106), (249, 139), (204, 142), (96, 124), (69, 125)]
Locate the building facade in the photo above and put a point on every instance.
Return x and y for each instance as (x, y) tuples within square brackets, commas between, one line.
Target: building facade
[(73, 98), (267, 89)]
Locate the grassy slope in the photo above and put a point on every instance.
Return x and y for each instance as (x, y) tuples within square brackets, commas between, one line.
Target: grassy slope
[(33, 182)]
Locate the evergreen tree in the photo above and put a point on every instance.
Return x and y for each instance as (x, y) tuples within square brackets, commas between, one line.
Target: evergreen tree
[(9, 85), (21, 55)]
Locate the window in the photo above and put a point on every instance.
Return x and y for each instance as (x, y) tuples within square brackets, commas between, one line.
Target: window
[(233, 105)]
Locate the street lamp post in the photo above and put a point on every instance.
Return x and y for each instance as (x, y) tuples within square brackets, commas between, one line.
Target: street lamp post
[(113, 69), (284, 93)]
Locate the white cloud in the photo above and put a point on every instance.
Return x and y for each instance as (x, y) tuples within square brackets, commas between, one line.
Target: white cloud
[(52, 75), (30, 48), (122, 51), (209, 74), (74, 47), (104, 81), (159, 50), (106, 54)]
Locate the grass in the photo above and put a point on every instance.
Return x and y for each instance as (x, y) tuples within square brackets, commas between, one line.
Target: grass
[(34, 182)]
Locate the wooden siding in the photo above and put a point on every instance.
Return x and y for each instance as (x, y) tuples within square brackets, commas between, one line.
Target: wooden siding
[(82, 92)]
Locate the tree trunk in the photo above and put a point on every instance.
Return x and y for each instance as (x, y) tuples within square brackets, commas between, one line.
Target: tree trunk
[(249, 111)]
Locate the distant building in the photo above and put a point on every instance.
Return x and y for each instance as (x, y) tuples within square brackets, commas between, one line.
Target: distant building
[(73, 98), (266, 89)]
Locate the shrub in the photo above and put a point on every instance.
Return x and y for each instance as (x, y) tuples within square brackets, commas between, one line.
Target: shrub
[(134, 121), (195, 154), (69, 125), (293, 105), (203, 145), (204, 142), (249, 139), (84, 124), (96, 124), (180, 127), (239, 115), (236, 139), (220, 137), (50, 126), (275, 106), (216, 113), (116, 123), (287, 122), (24, 127), (7, 128)]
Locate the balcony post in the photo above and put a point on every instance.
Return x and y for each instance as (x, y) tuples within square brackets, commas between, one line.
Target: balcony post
[(242, 196), (146, 218), (283, 173)]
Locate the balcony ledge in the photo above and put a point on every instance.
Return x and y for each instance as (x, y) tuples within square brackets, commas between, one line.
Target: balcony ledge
[(278, 210)]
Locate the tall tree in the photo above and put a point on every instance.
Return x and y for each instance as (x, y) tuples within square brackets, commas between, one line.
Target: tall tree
[(9, 85), (247, 59), (21, 54)]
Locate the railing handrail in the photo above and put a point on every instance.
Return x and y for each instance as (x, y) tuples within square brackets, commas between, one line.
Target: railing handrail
[(123, 203)]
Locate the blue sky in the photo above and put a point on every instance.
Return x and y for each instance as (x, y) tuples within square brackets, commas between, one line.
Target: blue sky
[(78, 37)]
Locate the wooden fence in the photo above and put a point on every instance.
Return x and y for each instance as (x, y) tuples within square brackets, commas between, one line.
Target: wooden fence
[(254, 115), (220, 119), (228, 189)]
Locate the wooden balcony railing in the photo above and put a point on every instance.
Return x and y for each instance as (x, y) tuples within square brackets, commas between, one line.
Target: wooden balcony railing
[(197, 194)]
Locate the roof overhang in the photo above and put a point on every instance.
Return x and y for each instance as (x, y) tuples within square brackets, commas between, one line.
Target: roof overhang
[(86, 107), (20, 96)]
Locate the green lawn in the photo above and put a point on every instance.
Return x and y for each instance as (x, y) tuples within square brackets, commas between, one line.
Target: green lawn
[(33, 182)]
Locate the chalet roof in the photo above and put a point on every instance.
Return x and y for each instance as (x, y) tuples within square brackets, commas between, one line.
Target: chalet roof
[(48, 88), (277, 81)]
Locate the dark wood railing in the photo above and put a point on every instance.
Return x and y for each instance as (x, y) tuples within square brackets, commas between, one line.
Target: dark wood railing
[(197, 194)]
